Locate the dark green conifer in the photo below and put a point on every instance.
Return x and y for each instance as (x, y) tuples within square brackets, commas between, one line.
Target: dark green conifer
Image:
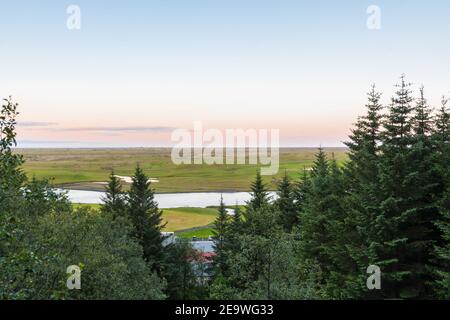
[(146, 217)]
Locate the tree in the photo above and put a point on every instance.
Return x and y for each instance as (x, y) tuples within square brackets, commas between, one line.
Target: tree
[(441, 140), (41, 235), (235, 227), (146, 218), (259, 192), (11, 175), (286, 204), (361, 201), (13, 262), (441, 285), (182, 281), (404, 234), (281, 274), (111, 262), (114, 199), (220, 239)]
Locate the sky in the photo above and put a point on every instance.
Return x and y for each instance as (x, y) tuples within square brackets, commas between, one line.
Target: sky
[(137, 70)]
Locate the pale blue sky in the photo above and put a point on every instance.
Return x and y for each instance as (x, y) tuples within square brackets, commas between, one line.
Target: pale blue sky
[(137, 69)]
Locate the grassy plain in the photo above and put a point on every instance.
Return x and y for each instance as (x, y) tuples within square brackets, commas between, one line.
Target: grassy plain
[(188, 218), (203, 233), (180, 219), (85, 169)]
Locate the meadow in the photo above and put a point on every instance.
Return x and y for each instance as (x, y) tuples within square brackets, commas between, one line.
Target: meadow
[(186, 222), (87, 169)]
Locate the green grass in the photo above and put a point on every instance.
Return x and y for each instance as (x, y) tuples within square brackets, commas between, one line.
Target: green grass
[(89, 206), (177, 219), (82, 168), (200, 233), (188, 218)]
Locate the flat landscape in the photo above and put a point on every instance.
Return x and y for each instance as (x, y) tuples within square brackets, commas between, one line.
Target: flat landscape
[(88, 169), (186, 222)]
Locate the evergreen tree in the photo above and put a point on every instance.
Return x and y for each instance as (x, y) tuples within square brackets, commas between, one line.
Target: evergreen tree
[(420, 225), (403, 238), (422, 119), (321, 226), (259, 192), (220, 239), (300, 190), (320, 167), (442, 250), (441, 139), (182, 281), (234, 230), (361, 202), (114, 199), (442, 121), (286, 204), (236, 222), (146, 218), (314, 216)]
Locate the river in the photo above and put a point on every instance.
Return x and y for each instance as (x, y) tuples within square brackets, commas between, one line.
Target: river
[(171, 200)]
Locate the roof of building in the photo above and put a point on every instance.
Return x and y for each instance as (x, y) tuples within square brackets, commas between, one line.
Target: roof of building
[(203, 246)]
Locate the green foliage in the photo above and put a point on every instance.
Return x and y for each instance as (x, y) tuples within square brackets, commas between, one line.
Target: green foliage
[(266, 268), (260, 194), (112, 264), (146, 218), (407, 211), (180, 273), (442, 271), (114, 201), (40, 237), (321, 223), (220, 238), (389, 206), (286, 204)]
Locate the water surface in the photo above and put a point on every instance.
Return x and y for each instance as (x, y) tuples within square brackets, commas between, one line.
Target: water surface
[(171, 200)]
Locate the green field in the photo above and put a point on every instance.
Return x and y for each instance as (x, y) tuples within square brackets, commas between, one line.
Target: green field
[(203, 233), (188, 218), (194, 220), (87, 169)]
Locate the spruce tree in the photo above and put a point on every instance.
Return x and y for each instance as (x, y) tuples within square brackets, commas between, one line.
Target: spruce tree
[(320, 167), (442, 122), (220, 238), (441, 139), (259, 192), (236, 223), (114, 199), (361, 182), (285, 204), (441, 285), (422, 119), (235, 228), (399, 248), (146, 218), (420, 225), (319, 222)]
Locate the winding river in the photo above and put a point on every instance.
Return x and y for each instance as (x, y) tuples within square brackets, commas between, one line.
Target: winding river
[(171, 200)]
